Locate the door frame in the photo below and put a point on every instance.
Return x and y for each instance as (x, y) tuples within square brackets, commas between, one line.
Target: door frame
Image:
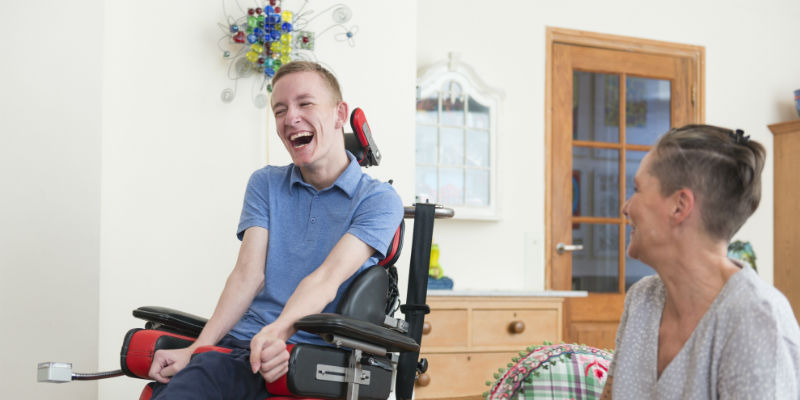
[(608, 42)]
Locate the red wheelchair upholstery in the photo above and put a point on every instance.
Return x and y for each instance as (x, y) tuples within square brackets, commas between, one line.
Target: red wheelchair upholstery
[(140, 345), (360, 142)]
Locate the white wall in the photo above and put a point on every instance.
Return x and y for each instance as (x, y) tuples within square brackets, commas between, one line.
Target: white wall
[(50, 108), (751, 71), (176, 159), (119, 101)]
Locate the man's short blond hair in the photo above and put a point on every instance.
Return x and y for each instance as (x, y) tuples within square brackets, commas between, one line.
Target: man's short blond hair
[(310, 66)]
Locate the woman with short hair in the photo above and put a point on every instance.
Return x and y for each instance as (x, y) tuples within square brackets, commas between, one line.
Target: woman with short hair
[(705, 326)]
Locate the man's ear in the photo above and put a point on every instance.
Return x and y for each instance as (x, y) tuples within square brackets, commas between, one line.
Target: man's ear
[(683, 205), (342, 114)]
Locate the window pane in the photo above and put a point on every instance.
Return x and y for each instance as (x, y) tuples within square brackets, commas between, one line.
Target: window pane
[(426, 184), (647, 109), (452, 88), (426, 144), (477, 115), (632, 161), (595, 102), (596, 178), (451, 151), (428, 110), (634, 269), (451, 186), (452, 110), (477, 187), (477, 148), (596, 267)]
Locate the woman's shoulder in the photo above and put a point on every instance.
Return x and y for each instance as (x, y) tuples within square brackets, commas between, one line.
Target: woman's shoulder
[(745, 289), (749, 298), (646, 289)]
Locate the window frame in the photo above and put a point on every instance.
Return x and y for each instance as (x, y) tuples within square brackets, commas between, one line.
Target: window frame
[(430, 82)]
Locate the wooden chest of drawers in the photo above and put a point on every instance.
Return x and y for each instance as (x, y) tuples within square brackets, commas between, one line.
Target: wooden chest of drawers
[(467, 338)]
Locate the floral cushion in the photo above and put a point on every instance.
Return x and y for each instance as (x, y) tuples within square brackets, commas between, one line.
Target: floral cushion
[(561, 371)]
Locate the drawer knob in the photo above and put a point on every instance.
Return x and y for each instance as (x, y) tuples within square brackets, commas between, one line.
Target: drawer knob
[(516, 327), (423, 380), (426, 328)]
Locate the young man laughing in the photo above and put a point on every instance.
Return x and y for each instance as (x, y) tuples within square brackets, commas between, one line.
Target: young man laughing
[(306, 228)]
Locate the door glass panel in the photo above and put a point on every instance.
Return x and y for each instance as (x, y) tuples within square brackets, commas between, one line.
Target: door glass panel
[(596, 176), (632, 161), (595, 107), (426, 144), (647, 109), (634, 269), (596, 267)]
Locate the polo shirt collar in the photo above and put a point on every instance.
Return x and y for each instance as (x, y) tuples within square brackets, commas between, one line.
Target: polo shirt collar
[(347, 180)]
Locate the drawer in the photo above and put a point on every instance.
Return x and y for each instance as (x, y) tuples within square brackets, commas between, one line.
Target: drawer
[(494, 327), (447, 328), (460, 374)]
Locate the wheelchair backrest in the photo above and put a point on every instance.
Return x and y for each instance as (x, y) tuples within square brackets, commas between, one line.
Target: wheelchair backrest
[(373, 294)]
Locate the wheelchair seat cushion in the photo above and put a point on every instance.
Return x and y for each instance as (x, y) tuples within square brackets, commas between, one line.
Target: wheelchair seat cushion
[(334, 324)]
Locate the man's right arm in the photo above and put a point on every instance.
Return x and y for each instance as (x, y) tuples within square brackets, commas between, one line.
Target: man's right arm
[(244, 282)]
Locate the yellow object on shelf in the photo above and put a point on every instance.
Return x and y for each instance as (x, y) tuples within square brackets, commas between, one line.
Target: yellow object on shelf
[(435, 270)]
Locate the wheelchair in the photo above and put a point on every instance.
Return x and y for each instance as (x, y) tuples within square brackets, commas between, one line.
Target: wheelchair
[(371, 353)]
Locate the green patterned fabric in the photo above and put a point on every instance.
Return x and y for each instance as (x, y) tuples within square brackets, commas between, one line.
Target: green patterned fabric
[(562, 371)]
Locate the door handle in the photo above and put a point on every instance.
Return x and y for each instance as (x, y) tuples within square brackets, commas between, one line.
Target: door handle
[(561, 247)]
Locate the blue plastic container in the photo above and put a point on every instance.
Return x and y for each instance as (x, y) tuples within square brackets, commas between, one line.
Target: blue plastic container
[(797, 100)]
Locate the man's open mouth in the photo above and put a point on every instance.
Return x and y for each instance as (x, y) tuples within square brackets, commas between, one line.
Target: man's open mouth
[(301, 139)]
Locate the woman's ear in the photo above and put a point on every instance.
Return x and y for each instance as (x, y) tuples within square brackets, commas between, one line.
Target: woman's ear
[(683, 205), (341, 114)]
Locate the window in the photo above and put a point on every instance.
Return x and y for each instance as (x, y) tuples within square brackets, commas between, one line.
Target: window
[(456, 121)]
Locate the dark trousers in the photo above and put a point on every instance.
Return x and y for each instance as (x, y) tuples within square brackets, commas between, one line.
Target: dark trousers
[(214, 375)]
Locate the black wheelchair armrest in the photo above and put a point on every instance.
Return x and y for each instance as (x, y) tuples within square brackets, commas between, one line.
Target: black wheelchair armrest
[(327, 324), (171, 320)]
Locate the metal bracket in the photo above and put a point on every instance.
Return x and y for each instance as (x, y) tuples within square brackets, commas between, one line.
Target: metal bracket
[(341, 341), (353, 373), (399, 325), (333, 373)]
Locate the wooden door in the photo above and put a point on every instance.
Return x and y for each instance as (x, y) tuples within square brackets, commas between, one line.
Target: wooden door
[(608, 106)]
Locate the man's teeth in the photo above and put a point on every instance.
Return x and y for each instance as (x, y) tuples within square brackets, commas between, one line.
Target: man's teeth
[(299, 135)]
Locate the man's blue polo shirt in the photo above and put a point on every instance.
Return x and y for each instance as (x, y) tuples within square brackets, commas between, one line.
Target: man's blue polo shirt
[(304, 225)]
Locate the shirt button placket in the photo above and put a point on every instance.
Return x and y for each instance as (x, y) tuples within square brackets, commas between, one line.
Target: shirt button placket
[(313, 207)]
